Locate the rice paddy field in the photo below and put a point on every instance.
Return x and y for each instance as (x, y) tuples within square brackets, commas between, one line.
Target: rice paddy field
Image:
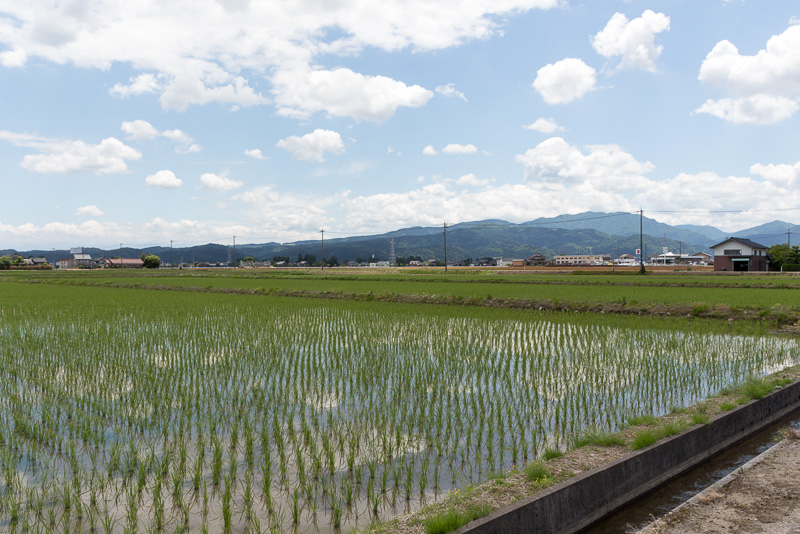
[(128, 410), (751, 291)]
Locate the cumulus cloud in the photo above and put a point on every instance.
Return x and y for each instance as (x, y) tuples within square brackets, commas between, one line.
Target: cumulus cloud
[(764, 88), (286, 211), (110, 156), (343, 93), (564, 81), (782, 174), (13, 58), (140, 130), (544, 126), (140, 84), (89, 211), (633, 41), (429, 150), (251, 42), (450, 91), (163, 179), (219, 183), (312, 146), (472, 180), (455, 148), (755, 109), (254, 153), (607, 166)]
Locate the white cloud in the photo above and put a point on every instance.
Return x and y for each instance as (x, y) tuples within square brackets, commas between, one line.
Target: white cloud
[(632, 41), (139, 130), (605, 166), (472, 180), (450, 91), (140, 84), (312, 146), (163, 179), (219, 183), (13, 58), (250, 42), (455, 148), (89, 211), (764, 88), (782, 175), (429, 151), (110, 156), (343, 93), (564, 81), (286, 211), (755, 109), (254, 153), (544, 126)]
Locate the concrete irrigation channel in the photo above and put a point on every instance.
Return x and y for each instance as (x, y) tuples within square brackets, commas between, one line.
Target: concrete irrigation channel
[(585, 499)]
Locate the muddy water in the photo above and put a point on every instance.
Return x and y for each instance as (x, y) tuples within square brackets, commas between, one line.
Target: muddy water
[(669, 496)]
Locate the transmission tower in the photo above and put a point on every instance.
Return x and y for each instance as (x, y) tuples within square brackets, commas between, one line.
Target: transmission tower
[(392, 255)]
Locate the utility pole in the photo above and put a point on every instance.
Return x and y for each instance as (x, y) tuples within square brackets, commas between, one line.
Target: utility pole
[(171, 263), (54, 259), (789, 237), (234, 252), (120, 251), (641, 242), (680, 251), (444, 227), (322, 245)]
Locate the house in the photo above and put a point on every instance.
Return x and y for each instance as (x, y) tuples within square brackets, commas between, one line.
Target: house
[(507, 262), (739, 254), (581, 259), (124, 263), (536, 259), (63, 263)]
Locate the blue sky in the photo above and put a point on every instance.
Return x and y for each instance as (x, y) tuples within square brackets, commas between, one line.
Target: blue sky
[(194, 121)]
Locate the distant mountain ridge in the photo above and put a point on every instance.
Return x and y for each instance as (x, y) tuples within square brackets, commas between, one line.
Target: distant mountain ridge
[(583, 233)]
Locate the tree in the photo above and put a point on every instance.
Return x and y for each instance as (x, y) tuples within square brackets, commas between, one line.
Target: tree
[(249, 259), (5, 262), (333, 261), (151, 262), (782, 254)]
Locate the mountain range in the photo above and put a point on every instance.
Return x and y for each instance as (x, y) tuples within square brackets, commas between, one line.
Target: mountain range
[(589, 232)]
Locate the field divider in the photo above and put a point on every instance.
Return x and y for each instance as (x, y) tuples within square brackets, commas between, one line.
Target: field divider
[(577, 503)]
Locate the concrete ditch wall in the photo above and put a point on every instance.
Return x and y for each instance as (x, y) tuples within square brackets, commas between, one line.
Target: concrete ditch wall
[(577, 503)]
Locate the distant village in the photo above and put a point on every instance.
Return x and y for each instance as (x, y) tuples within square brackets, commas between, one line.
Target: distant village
[(733, 254)]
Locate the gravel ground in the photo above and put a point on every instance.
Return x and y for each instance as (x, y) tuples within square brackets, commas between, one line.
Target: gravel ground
[(762, 497)]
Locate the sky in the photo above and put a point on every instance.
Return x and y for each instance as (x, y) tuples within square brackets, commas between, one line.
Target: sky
[(194, 121)]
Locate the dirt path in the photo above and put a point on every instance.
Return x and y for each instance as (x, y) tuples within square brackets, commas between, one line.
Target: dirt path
[(762, 497)]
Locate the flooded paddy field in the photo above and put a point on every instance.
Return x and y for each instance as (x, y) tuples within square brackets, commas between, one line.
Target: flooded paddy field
[(149, 411)]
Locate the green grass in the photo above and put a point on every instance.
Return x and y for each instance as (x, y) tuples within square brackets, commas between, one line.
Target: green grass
[(537, 472), (757, 388), (550, 453), (700, 418), (599, 438), (445, 522)]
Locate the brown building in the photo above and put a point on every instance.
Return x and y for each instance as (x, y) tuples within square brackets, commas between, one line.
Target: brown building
[(738, 254)]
